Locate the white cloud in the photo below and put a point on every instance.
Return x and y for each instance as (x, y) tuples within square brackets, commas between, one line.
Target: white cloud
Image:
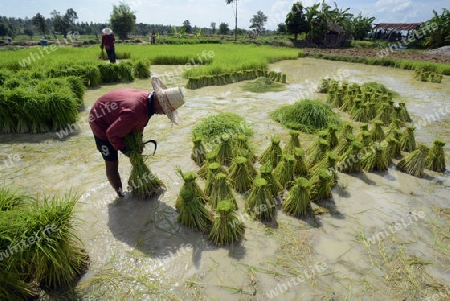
[(401, 7)]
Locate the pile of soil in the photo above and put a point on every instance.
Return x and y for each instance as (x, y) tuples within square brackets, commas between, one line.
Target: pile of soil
[(444, 50)]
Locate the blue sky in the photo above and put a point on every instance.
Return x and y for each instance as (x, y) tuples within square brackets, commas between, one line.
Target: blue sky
[(203, 12)]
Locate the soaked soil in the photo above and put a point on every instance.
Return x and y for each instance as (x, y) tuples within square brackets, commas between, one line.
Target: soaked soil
[(139, 252)]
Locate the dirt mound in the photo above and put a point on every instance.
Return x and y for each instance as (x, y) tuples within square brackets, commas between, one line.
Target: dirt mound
[(445, 50)]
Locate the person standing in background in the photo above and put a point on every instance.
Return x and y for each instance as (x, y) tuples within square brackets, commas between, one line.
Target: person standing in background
[(153, 38), (108, 43)]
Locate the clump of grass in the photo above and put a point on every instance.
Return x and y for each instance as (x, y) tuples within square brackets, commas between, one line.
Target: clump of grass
[(347, 162), (240, 175), (306, 115), (143, 182), (225, 150), (284, 172), (298, 202), (436, 157), (198, 151), (274, 186), (190, 203), (408, 141), (375, 159), (226, 228), (318, 153), (300, 168), (321, 183), (292, 143), (10, 199), (260, 203), (377, 130), (414, 162), (262, 85), (221, 190), (273, 153)]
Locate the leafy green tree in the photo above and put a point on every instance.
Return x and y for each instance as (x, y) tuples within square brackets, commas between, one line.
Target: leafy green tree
[(40, 22), (281, 28), (224, 29), (3, 30), (187, 26), (123, 20), (296, 22), (437, 29), (258, 21), (29, 32), (213, 27), (361, 26), (235, 16)]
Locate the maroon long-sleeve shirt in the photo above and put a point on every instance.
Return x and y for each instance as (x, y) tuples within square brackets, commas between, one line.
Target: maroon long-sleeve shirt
[(108, 41), (119, 112)]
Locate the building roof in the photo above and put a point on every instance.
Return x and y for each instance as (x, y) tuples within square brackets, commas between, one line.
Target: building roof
[(397, 26)]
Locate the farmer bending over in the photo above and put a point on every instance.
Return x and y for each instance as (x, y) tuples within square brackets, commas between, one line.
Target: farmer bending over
[(120, 112)]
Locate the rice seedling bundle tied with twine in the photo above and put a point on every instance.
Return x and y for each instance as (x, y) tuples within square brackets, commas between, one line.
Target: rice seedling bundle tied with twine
[(435, 159), (243, 148), (226, 228), (321, 185), (198, 151), (284, 173), (414, 162), (240, 176), (408, 141), (273, 153), (298, 200), (318, 153), (275, 187), (375, 159), (300, 168), (221, 190), (142, 181), (260, 203), (292, 143), (225, 150), (347, 162)]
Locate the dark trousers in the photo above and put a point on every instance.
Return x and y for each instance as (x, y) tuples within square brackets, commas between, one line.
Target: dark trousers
[(111, 55)]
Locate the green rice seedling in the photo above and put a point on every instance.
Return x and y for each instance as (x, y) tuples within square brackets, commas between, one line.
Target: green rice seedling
[(298, 202), (393, 148), (284, 172), (242, 148), (240, 177), (110, 73), (375, 159), (435, 159), (283, 78), (63, 109), (371, 110), (321, 183), (226, 228), (408, 141), (273, 153), (332, 138), (344, 144), (366, 138), (221, 190), (78, 88), (318, 153), (210, 157), (404, 115), (346, 130), (347, 102), (357, 111), (362, 128), (414, 163), (190, 204), (306, 115), (330, 97), (396, 114), (300, 168), (198, 151), (292, 143), (141, 69), (350, 162), (328, 163), (142, 181), (225, 150), (262, 85), (315, 144), (377, 130), (13, 286), (395, 125), (190, 185), (213, 169), (436, 77), (10, 199), (385, 114), (275, 187), (260, 203)]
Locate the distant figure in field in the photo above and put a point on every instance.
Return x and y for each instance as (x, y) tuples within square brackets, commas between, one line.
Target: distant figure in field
[(108, 43), (153, 38)]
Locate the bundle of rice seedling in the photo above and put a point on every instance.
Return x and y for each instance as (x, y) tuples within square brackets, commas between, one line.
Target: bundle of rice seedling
[(332, 137), (414, 162), (404, 115), (226, 228), (330, 97), (396, 114), (260, 203), (366, 138), (321, 183), (338, 98), (347, 102), (322, 135), (298, 201), (318, 153), (266, 173), (408, 141), (273, 153), (190, 185), (243, 148), (375, 159), (213, 169), (240, 177), (225, 150), (328, 163), (377, 130), (395, 125), (436, 157), (142, 181), (344, 144), (371, 110), (284, 172), (324, 85), (198, 151), (190, 204), (292, 143), (283, 78), (300, 168), (393, 148), (221, 190), (363, 127), (142, 69), (385, 114), (349, 161), (211, 157), (358, 112), (346, 130), (262, 85)]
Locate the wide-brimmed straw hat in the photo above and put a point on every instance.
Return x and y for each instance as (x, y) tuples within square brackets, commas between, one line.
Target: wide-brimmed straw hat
[(107, 31), (170, 99)]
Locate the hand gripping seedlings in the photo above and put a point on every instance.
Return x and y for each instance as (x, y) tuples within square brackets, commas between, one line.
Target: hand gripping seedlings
[(328, 163), (240, 176), (198, 151), (190, 204), (225, 151), (298, 202), (375, 159), (318, 153), (321, 185), (143, 182), (350, 162), (213, 169), (377, 130), (344, 144), (436, 157), (300, 168), (226, 228), (414, 162), (408, 141), (211, 157), (260, 203), (393, 148), (292, 143), (273, 185), (284, 172), (221, 190), (273, 153)]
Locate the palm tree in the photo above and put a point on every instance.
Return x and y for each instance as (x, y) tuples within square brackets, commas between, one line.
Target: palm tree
[(235, 15)]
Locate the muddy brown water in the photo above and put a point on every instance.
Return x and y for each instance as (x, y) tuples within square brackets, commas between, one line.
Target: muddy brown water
[(140, 244)]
